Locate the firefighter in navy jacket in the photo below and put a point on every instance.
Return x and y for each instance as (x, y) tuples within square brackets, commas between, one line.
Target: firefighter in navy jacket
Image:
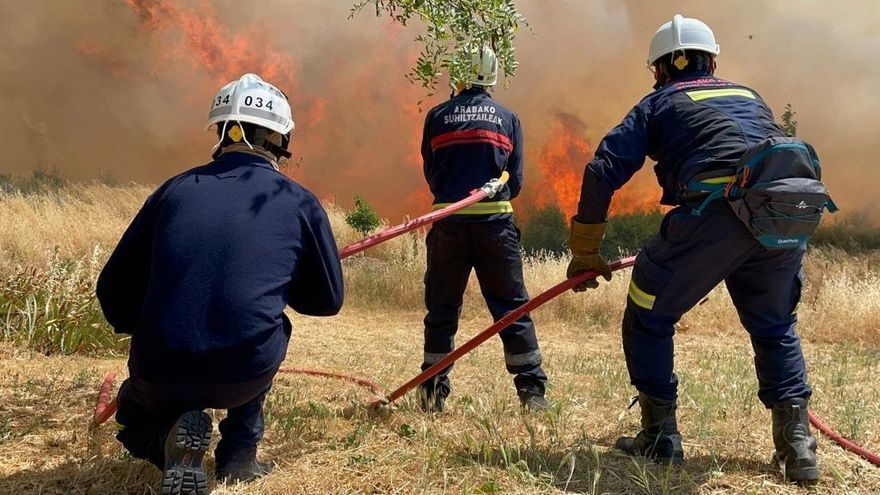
[(200, 279), (696, 127), (468, 141)]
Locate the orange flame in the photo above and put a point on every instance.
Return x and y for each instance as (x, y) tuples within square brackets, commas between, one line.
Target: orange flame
[(562, 160), (200, 39)]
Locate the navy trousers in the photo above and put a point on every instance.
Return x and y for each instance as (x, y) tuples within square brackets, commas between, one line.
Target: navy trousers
[(492, 250), (146, 411), (679, 266)]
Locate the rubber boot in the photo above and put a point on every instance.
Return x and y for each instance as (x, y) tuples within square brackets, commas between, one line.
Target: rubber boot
[(185, 446), (795, 446), (432, 396), (659, 438), (532, 402), (243, 471)]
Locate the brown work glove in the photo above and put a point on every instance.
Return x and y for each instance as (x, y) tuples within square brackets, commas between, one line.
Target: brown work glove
[(585, 241)]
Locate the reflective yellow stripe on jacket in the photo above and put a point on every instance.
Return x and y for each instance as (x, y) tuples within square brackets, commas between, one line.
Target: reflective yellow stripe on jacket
[(705, 94), (490, 208), (640, 297)]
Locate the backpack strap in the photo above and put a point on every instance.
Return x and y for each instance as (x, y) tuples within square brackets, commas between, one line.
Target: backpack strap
[(831, 206), (715, 186), (717, 194)]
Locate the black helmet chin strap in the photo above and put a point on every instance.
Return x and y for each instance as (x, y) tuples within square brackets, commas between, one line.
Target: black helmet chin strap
[(257, 137), (278, 151), (261, 139)]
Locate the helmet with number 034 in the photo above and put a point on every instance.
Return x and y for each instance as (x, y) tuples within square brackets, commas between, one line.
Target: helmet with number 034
[(682, 33), (484, 67), (250, 99)]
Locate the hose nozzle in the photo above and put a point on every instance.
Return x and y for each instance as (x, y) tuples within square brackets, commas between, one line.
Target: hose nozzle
[(495, 186)]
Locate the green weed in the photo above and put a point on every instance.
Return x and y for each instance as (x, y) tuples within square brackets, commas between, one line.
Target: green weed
[(55, 310)]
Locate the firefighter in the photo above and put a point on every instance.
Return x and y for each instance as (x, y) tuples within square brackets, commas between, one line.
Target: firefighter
[(467, 141), (200, 280), (696, 127)]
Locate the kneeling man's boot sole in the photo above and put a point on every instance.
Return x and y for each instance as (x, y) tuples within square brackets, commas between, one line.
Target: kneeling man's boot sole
[(185, 447)]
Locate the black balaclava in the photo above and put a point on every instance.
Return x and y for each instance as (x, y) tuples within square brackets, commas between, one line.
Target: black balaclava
[(682, 63)]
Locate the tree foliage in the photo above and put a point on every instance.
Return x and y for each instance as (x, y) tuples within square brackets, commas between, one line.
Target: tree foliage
[(455, 30), (363, 218)]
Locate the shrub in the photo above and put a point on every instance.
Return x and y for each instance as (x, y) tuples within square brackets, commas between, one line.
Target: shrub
[(628, 233), (545, 231), (789, 123), (363, 218), (41, 181), (55, 310)]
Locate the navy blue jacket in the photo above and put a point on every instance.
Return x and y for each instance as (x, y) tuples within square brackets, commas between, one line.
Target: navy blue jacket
[(203, 273), (468, 141), (692, 125)]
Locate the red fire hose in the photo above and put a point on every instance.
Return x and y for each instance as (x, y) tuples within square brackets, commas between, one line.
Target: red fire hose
[(846, 443), (499, 326), (490, 189), (105, 408)]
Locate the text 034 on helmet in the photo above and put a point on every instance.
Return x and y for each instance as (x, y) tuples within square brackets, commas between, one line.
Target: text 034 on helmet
[(680, 34), (252, 100)]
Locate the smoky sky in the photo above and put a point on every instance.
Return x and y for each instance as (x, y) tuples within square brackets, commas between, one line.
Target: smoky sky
[(122, 88)]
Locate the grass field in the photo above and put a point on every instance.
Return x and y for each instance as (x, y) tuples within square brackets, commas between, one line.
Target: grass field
[(54, 243)]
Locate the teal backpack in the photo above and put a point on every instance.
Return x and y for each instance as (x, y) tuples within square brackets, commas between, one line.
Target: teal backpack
[(777, 192)]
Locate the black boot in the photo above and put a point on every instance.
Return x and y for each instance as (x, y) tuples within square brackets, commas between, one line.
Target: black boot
[(659, 438), (795, 446), (241, 466), (432, 395), (185, 446), (244, 470), (531, 401)]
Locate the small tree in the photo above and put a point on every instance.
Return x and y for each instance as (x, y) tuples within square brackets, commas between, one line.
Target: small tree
[(455, 30), (789, 124), (363, 218), (545, 231)]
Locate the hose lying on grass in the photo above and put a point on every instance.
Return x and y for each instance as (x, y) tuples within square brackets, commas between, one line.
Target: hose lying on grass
[(845, 443), (105, 408)]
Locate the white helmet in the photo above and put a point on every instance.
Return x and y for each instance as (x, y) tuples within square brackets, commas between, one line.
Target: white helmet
[(484, 67), (250, 99), (682, 33)]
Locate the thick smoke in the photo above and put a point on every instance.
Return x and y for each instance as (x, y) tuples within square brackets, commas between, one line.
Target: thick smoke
[(122, 88)]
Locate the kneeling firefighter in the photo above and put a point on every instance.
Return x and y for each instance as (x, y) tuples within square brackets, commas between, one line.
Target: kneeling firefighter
[(711, 139), (467, 141), (200, 280)]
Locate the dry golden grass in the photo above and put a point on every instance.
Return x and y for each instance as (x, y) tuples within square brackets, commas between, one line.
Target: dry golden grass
[(483, 444), (72, 222)]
